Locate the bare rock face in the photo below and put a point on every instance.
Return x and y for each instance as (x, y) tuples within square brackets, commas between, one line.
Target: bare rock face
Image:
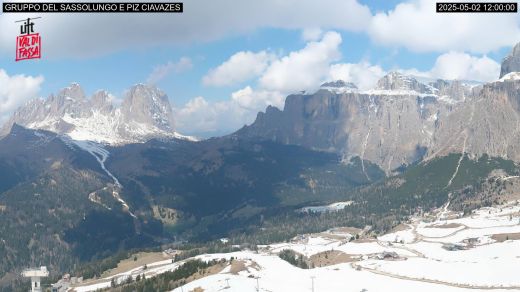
[(487, 123), (101, 101), (511, 63), (339, 86), (148, 105), (403, 120), (454, 90), (144, 113), (390, 126), (397, 81)]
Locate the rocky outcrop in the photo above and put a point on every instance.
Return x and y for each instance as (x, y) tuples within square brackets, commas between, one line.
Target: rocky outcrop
[(391, 126), (144, 113), (102, 101), (398, 82), (401, 120), (511, 63), (148, 105), (487, 123)]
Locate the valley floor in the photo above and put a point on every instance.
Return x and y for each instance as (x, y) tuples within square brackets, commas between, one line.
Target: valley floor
[(442, 251)]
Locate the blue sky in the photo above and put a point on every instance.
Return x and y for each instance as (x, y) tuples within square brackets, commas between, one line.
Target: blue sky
[(371, 33)]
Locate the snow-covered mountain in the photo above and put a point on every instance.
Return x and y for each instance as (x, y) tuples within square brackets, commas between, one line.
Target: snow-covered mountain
[(144, 113)]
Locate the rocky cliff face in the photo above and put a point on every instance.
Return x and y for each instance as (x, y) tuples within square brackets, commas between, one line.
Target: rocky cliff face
[(511, 63), (391, 125), (401, 83), (144, 113), (402, 120), (149, 106), (487, 123)]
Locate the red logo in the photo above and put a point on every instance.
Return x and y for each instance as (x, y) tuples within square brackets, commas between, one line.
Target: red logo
[(28, 47), (28, 43)]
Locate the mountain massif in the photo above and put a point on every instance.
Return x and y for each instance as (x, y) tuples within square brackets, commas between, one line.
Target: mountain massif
[(401, 121), (144, 113), (83, 178)]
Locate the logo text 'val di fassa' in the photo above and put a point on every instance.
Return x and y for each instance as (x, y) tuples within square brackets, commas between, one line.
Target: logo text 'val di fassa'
[(28, 43)]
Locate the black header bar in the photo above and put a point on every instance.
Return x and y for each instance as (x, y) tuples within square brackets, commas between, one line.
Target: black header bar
[(91, 7)]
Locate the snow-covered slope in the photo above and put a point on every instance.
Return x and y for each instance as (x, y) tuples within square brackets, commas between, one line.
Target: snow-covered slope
[(144, 113), (510, 77), (442, 252)]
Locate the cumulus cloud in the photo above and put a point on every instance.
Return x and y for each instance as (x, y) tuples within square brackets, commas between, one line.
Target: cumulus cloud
[(257, 100), (197, 115), (15, 90), (163, 70), (312, 34), (299, 70), (456, 65), (277, 77), (238, 68), (76, 35), (303, 69), (202, 116), (461, 66), (363, 74), (416, 26)]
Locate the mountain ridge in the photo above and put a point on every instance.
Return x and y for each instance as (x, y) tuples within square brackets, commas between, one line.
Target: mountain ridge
[(144, 113), (401, 121)]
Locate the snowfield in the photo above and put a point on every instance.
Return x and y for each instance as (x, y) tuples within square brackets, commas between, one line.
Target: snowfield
[(439, 252), (278, 275), (405, 236), (437, 230), (327, 208)]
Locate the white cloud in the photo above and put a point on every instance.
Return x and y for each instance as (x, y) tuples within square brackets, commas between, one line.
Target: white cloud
[(80, 35), (196, 116), (257, 100), (298, 70), (240, 67), (312, 34), (15, 90), (161, 71), (303, 69), (455, 65), (199, 116), (363, 74), (416, 26), (461, 66)]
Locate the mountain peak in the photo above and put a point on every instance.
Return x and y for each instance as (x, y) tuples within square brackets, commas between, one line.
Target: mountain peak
[(339, 86), (395, 81), (511, 62), (339, 83), (73, 91), (101, 101), (149, 105), (145, 113)]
